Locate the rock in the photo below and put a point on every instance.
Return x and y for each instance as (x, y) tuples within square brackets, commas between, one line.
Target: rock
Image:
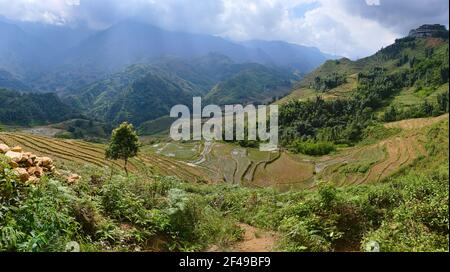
[(29, 163), (33, 179), (36, 171), (4, 148), (46, 161), (73, 178), (13, 164), (31, 170), (22, 174), (17, 149), (29, 167), (24, 158), (14, 156)]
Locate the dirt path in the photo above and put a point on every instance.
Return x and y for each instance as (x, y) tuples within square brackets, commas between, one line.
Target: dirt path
[(409, 124), (256, 240)]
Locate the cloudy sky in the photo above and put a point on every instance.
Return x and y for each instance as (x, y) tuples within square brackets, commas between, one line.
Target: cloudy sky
[(352, 28)]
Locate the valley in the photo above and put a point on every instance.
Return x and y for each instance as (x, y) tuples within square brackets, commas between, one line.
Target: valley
[(217, 162), (362, 154)]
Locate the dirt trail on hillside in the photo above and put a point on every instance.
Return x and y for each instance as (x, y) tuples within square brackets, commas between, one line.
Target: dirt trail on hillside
[(416, 123), (256, 240)]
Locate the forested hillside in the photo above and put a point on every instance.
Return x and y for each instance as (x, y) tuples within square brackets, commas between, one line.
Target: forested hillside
[(255, 85), (33, 108), (338, 101), (144, 92)]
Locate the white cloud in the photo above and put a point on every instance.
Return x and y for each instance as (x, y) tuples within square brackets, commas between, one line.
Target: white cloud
[(373, 2), (346, 27)]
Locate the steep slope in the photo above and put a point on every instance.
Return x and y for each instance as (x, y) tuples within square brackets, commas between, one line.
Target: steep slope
[(301, 58), (204, 71), (9, 81), (32, 108), (256, 84), (340, 101), (66, 58), (131, 42), (421, 63), (148, 98), (215, 77), (139, 93)]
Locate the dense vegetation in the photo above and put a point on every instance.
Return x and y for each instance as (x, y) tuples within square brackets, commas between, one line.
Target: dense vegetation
[(145, 92), (251, 86), (408, 212), (32, 108), (329, 82), (83, 129), (344, 120)]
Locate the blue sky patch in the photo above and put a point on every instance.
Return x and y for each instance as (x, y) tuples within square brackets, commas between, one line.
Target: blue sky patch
[(300, 10)]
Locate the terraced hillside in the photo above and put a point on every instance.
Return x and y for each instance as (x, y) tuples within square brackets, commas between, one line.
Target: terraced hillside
[(362, 164), (223, 162), (72, 154), (422, 64)]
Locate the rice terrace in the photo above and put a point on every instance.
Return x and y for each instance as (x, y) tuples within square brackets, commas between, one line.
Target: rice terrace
[(215, 162), (99, 151)]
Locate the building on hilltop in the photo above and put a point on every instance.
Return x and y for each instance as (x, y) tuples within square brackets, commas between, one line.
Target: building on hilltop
[(424, 31)]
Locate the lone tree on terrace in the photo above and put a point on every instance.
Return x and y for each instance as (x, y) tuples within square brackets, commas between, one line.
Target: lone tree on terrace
[(124, 144)]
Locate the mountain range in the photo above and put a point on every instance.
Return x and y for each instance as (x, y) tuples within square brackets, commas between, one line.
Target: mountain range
[(57, 58), (135, 71)]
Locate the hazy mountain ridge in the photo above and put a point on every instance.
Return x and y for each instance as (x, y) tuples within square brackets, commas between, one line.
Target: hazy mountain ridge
[(133, 91), (60, 59), (254, 85), (9, 81)]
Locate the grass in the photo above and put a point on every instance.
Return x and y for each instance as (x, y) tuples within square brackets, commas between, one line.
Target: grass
[(412, 96), (72, 155), (407, 211)]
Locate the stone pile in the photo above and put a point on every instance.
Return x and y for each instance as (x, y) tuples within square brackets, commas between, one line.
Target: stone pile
[(27, 166)]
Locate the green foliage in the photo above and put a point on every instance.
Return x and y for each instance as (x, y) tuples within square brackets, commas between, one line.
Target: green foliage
[(255, 85), (83, 129), (344, 120), (129, 94), (442, 101), (157, 126), (337, 121), (124, 144), (41, 221), (377, 132), (425, 109), (328, 82), (312, 148), (32, 108), (407, 212), (419, 222)]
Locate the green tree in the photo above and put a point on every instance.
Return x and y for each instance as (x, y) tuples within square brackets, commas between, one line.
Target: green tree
[(124, 144), (442, 100)]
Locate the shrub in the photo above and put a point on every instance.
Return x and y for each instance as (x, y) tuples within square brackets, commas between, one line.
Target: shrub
[(313, 148)]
